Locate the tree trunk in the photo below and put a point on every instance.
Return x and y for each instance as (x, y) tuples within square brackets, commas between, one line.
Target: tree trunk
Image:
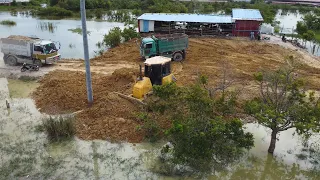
[(273, 141)]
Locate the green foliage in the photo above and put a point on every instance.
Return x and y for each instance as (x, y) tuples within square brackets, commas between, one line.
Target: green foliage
[(99, 13), (129, 33), (115, 35), (54, 12), (53, 2), (150, 126), (14, 3), (78, 31), (309, 35), (113, 38), (8, 23), (301, 28), (201, 138), (283, 104), (58, 129)]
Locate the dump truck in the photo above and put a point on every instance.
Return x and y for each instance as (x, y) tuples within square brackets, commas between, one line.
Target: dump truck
[(157, 71), (22, 49), (171, 45)]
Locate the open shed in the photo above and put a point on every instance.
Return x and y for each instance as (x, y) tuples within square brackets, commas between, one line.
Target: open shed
[(195, 24)]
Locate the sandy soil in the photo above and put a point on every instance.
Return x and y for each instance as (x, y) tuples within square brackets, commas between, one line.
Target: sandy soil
[(113, 118)]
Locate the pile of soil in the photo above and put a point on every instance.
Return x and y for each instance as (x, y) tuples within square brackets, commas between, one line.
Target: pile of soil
[(110, 117), (17, 37), (113, 119), (65, 91), (124, 53)]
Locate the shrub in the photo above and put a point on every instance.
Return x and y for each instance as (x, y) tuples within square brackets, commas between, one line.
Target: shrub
[(129, 33), (113, 38), (150, 126), (8, 23), (58, 129)]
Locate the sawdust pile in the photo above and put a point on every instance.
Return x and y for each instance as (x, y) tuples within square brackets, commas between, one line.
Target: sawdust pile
[(17, 37)]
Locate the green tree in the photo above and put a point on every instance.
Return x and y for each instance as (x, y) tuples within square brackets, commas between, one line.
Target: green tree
[(200, 136), (283, 104), (301, 28), (53, 2), (129, 33), (14, 3), (113, 38)]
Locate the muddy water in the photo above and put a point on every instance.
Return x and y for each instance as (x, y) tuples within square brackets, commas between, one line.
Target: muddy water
[(25, 153), (21, 88), (288, 24)]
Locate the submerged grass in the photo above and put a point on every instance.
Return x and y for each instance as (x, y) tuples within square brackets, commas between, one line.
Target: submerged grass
[(78, 31), (8, 23), (58, 129)]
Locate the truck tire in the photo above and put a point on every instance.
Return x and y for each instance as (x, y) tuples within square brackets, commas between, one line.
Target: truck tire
[(177, 56), (38, 62), (11, 60)]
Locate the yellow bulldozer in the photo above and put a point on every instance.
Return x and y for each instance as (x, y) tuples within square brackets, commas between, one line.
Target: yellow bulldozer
[(157, 71)]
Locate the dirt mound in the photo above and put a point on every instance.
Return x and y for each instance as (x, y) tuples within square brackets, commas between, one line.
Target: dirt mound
[(126, 52), (114, 119), (110, 117), (17, 37), (65, 91)]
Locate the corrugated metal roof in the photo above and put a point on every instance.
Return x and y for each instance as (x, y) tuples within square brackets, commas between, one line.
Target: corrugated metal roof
[(201, 18), (246, 14)]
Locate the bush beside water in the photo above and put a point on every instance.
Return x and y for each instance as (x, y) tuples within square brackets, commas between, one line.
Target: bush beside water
[(58, 129)]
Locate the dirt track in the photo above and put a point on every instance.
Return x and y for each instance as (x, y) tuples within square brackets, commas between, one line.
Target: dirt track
[(114, 118)]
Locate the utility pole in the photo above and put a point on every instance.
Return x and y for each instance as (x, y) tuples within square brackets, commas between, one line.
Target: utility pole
[(86, 51)]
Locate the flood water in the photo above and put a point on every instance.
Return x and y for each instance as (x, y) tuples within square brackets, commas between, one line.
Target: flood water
[(25, 152), (71, 43), (288, 24)]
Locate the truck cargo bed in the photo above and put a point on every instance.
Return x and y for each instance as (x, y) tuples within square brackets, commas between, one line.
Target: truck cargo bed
[(172, 42), (16, 47)]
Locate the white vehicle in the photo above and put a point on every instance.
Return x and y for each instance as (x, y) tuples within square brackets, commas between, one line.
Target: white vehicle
[(21, 49)]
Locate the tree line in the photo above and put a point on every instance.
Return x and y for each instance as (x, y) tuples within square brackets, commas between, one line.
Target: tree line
[(138, 7)]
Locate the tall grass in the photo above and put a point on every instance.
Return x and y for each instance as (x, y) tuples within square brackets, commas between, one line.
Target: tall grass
[(78, 31), (58, 129), (47, 26), (8, 23)]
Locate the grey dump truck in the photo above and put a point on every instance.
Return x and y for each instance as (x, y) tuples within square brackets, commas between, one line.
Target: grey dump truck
[(21, 49)]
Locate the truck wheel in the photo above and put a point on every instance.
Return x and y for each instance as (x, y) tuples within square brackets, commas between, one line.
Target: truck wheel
[(38, 62), (11, 60), (177, 56)]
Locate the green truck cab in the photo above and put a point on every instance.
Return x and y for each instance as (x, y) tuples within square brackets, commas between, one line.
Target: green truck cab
[(172, 45)]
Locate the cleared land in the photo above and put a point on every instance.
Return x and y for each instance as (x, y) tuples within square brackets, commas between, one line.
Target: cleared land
[(114, 118)]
